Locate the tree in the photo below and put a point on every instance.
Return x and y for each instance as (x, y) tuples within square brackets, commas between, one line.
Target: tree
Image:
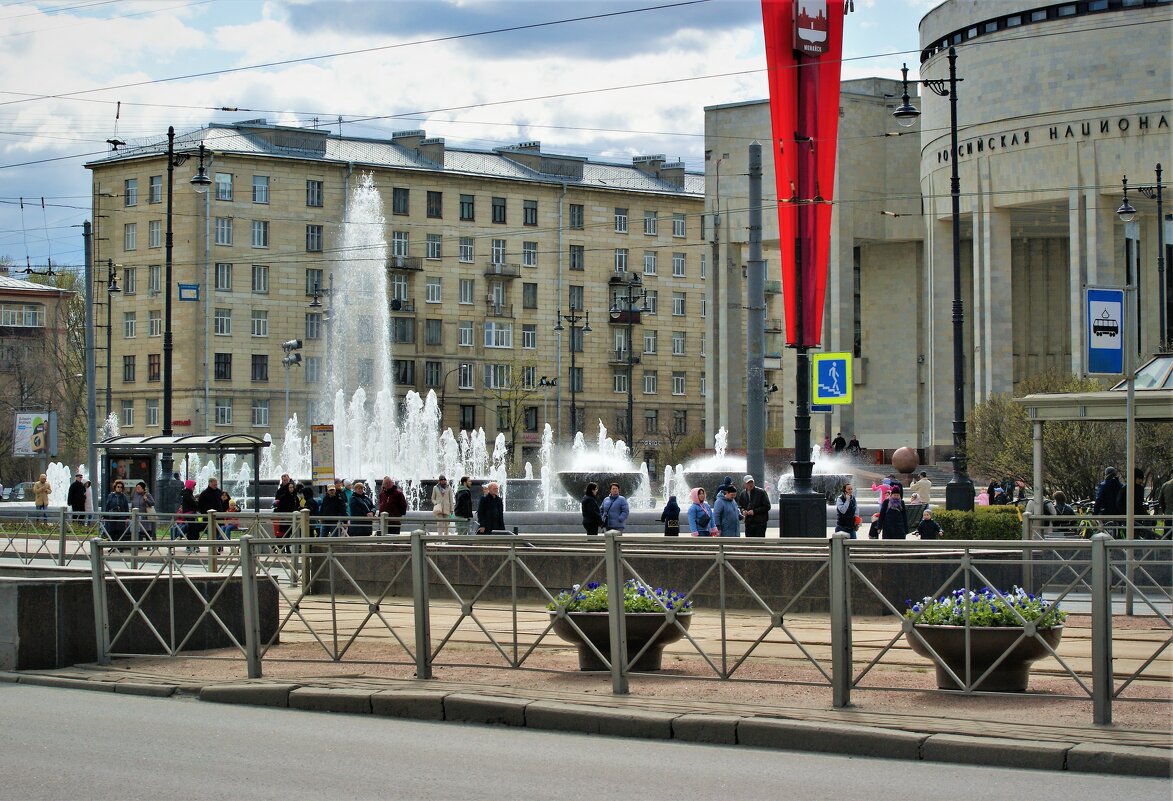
[(512, 389)]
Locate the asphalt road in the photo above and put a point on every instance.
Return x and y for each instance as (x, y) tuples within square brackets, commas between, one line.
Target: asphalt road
[(67, 744)]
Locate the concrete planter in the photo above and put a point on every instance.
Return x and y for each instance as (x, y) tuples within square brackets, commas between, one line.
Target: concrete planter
[(641, 628), (987, 644)]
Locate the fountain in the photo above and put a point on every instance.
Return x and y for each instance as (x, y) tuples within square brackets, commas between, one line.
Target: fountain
[(609, 462), (825, 480)]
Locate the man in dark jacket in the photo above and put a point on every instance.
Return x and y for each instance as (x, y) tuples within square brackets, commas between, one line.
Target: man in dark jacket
[(462, 508), (393, 502), (755, 505), (1110, 498), (76, 497), (361, 511), (490, 511), (333, 504)]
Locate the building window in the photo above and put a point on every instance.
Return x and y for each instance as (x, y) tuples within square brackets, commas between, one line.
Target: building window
[(529, 212), (155, 234), (677, 343), (399, 201), (576, 384), (223, 276), (467, 287), (619, 381), (155, 279), (129, 281), (677, 304), (679, 421), (620, 260), (400, 243), (403, 330), (531, 418), (576, 335), (130, 192), (433, 332), (621, 221), (678, 228), (651, 300), (678, 383), (650, 342), (313, 238), (435, 205), (130, 236), (498, 335), (702, 347), (497, 254), (223, 230), (223, 183), (433, 290), (128, 369), (577, 216), (498, 376), (468, 417), (651, 421), (155, 323), (313, 280), (651, 382), (465, 379), (529, 336), (576, 297), (22, 315), (260, 189), (223, 411), (128, 413), (260, 234), (529, 295), (649, 262), (129, 324), (703, 383), (529, 254), (155, 189), (153, 413), (432, 372), (313, 193), (313, 325), (260, 367), (434, 246), (260, 279), (529, 377), (577, 257), (260, 414), (467, 207), (499, 210), (313, 369), (222, 322), (651, 220), (703, 262), (677, 265), (465, 328), (260, 323), (404, 371), (466, 249), (704, 307), (399, 288), (223, 366), (154, 366)]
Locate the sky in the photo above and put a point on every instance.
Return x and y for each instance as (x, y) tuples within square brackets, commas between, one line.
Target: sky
[(605, 79)]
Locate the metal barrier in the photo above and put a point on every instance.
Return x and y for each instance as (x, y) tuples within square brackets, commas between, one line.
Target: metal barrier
[(327, 597)]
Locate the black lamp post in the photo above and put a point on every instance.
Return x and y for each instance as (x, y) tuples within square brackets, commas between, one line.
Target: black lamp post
[(544, 384), (1126, 213), (959, 492), (572, 319), (624, 304), (112, 288)]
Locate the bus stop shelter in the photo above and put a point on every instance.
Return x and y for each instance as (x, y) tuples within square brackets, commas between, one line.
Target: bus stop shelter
[(152, 447)]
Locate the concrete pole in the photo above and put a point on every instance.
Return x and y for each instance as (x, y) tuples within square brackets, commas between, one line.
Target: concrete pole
[(91, 365), (755, 372)]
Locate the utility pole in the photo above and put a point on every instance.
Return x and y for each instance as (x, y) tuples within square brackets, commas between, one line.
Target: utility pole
[(755, 373)]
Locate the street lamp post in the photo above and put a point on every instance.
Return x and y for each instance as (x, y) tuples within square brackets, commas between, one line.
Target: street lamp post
[(112, 289), (959, 492), (633, 291), (572, 319), (545, 383), (1126, 212)]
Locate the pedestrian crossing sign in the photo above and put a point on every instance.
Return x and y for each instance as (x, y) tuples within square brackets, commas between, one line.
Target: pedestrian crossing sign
[(831, 378)]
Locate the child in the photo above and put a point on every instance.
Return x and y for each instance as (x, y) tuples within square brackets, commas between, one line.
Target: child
[(928, 528), (231, 524)]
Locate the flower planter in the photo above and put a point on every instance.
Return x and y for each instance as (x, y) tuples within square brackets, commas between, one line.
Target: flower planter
[(987, 644), (641, 628)]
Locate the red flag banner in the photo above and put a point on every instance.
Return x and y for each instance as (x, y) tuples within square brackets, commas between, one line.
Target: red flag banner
[(804, 50)]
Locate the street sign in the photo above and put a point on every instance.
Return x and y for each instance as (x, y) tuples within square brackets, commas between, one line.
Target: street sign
[(189, 291), (831, 378), (322, 453), (821, 408), (1105, 330)]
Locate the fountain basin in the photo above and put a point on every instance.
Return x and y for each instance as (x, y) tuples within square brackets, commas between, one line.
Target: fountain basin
[(828, 484), (711, 479), (574, 482)]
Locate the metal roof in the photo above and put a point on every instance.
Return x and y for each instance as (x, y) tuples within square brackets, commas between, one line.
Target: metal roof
[(210, 443), (1153, 398), (10, 284)]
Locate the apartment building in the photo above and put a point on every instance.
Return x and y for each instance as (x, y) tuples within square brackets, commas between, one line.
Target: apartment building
[(486, 251)]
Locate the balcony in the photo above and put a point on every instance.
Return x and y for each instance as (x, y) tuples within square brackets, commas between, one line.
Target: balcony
[(624, 316), (501, 270), (402, 305), (774, 287), (405, 263), (504, 310), (619, 356), (774, 325)]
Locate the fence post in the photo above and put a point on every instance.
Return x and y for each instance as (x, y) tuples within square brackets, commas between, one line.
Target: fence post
[(616, 619), (382, 524), (419, 592), (63, 524), (134, 538), (1103, 685), (213, 534), (101, 613), (840, 622), (304, 514), (1028, 573), (251, 608)]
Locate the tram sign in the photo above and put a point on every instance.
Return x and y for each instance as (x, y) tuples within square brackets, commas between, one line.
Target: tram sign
[(1104, 325)]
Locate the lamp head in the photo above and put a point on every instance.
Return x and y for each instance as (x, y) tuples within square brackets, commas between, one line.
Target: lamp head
[(200, 181), (906, 113), (1126, 212)]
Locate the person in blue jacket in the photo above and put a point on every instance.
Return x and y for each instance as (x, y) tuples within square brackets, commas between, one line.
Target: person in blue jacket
[(615, 510), (726, 513)]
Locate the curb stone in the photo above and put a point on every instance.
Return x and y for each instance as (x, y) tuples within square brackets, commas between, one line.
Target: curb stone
[(699, 728), (468, 708), (562, 716), (830, 738), (255, 694), (1125, 760), (142, 688), (962, 749), (331, 699), (71, 684), (410, 704)]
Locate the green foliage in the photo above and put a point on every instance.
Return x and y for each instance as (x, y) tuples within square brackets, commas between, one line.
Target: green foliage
[(985, 608), (637, 597), (984, 523)]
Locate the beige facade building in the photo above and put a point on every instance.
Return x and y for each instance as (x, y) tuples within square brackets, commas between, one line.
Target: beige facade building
[(484, 250), (1058, 101)]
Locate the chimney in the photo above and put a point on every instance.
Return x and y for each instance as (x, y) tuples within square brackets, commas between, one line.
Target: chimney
[(673, 174), (408, 140), (527, 154), (649, 165), (432, 150)]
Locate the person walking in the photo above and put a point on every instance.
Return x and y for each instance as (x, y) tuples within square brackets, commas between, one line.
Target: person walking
[(41, 491), (922, 487), (838, 446), (755, 507), (592, 518), (363, 508), (76, 496), (89, 501), (285, 502), (670, 517), (491, 511), (116, 502), (853, 449), (615, 511), (186, 516), (393, 503), (333, 505), (462, 507), (846, 510), (928, 528), (892, 524), (443, 501), (1110, 498), (726, 515), (142, 501), (700, 515)]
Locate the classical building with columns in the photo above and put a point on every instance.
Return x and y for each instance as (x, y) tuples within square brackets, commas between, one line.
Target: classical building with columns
[(1057, 102)]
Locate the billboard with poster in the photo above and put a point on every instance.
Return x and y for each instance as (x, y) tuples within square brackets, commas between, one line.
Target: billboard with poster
[(322, 453), (31, 434)]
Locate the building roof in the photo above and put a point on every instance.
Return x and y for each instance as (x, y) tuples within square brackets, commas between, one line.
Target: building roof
[(258, 138), (10, 284), (1152, 398)]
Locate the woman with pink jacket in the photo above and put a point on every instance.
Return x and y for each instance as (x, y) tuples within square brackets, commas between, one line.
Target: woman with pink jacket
[(700, 515)]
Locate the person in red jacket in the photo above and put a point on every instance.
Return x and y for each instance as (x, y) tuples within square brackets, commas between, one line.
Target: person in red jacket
[(393, 502)]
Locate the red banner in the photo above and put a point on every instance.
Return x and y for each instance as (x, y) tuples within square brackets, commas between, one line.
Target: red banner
[(804, 49)]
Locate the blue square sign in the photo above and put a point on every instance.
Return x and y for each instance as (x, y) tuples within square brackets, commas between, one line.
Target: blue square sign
[(1105, 330), (831, 378)]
